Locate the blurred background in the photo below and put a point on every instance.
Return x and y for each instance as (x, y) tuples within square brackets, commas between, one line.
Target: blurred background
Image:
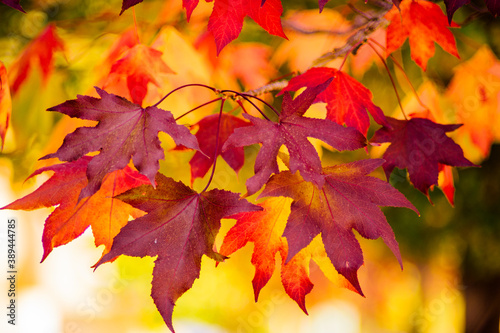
[(451, 255)]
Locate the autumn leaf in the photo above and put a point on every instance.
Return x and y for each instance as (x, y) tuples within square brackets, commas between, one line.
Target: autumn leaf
[(42, 50), (292, 130), (189, 5), (347, 100), (423, 23), (419, 145), (263, 228), (206, 135), (180, 227), (5, 103), (126, 4), (348, 200), (124, 131), (226, 20), (452, 6), (71, 217), (474, 91), (16, 4), (140, 65)]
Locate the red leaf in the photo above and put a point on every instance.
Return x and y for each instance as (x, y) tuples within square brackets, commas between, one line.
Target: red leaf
[(189, 5), (227, 17), (292, 130), (180, 228), (347, 99), (140, 65), (16, 4), (424, 23), (206, 135), (41, 49), (124, 131), (5, 103), (419, 145), (71, 218), (349, 200)]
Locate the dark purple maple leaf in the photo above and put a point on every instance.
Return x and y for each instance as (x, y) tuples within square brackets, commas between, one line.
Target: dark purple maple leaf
[(125, 130), (126, 4), (419, 145), (16, 4), (180, 227), (349, 199), (452, 6), (292, 130)]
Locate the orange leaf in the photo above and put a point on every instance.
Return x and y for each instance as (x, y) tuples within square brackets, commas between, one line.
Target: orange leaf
[(475, 94), (140, 65), (42, 49), (264, 229), (5, 103), (71, 218), (423, 23)]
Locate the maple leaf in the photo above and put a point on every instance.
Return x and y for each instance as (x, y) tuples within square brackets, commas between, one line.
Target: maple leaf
[(16, 4), (292, 130), (419, 145), (348, 200), (347, 99), (452, 6), (189, 5), (180, 227), (124, 131), (140, 65), (41, 48), (423, 23), (71, 218), (126, 4), (206, 135), (5, 103), (263, 228), (227, 17)]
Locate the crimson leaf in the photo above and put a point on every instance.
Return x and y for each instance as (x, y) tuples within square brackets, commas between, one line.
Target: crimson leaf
[(180, 228), (292, 130), (419, 145), (125, 130)]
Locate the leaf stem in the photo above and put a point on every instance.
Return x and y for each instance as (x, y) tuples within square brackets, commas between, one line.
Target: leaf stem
[(246, 96), (390, 76), (223, 100), (196, 108), (398, 65), (185, 86)]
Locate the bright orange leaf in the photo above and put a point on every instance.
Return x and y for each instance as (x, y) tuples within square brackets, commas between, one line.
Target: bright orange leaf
[(71, 218), (139, 66), (40, 49), (423, 23)]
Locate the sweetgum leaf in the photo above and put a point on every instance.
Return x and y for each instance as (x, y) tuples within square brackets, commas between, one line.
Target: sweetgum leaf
[(179, 228), (292, 130), (16, 4), (227, 17), (206, 135), (126, 4), (124, 131), (140, 65), (71, 217), (424, 24), (40, 50), (419, 145), (347, 100), (349, 199)]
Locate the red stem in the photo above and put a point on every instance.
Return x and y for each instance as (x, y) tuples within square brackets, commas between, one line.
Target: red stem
[(196, 108), (185, 86), (216, 144)]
